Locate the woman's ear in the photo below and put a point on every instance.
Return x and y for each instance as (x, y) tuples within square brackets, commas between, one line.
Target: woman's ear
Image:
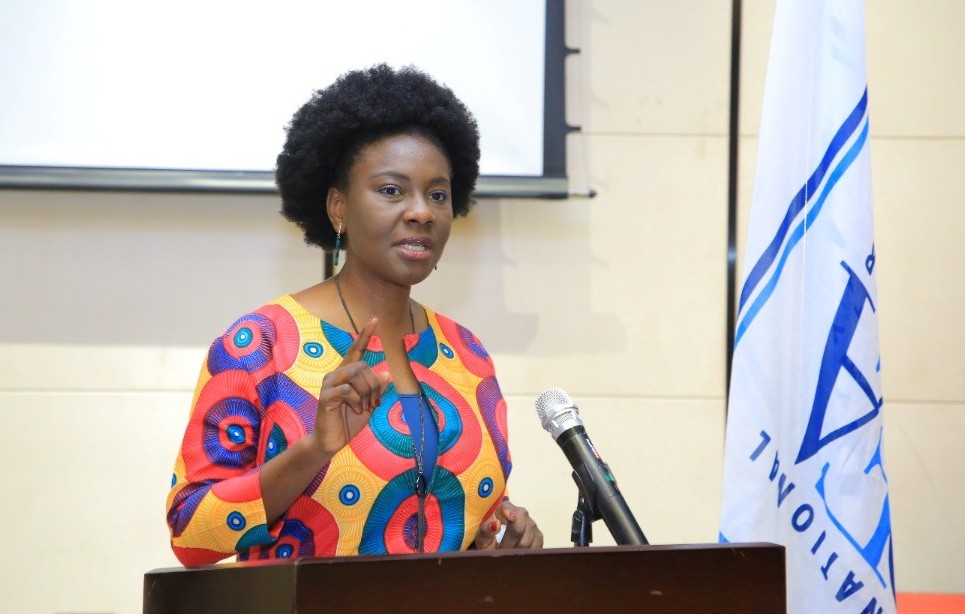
[(335, 206)]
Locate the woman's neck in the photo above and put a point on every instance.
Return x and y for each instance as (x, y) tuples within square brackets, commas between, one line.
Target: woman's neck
[(364, 296)]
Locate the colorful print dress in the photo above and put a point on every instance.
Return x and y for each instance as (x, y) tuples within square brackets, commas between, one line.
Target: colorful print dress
[(258, 394)]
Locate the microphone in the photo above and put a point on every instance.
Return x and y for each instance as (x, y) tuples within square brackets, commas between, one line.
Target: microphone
[(561, 419)]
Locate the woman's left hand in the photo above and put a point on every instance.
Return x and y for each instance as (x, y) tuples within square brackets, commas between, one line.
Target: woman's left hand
[(521, 530)]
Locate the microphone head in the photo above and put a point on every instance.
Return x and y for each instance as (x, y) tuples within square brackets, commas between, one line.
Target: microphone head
[(557, 412)]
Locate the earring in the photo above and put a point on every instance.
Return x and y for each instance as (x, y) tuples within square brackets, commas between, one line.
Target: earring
[(338, 242)]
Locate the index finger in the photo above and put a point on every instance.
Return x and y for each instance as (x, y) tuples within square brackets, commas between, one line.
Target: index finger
[(357, 349), (506, 512)]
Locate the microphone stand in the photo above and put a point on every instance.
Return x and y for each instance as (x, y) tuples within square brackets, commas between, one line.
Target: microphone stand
[(588, 511), (581, 534)]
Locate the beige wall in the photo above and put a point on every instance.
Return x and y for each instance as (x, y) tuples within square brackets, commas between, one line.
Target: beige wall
[(112, 298)]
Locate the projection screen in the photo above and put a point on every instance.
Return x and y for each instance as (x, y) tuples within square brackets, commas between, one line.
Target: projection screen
[(194, 96)]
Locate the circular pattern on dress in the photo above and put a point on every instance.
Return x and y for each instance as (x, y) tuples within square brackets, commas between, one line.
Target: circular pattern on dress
[(246, 345), (276, 444), (243, 337), (465, 344), (228, 430), (485, 487), (310, 529), (236, 433), (267, 337), (446, 350), (389, 527), (236, 521), (225, 399), (409, 530), (317, 357), (349, 494), (295, 537), (346, 472)]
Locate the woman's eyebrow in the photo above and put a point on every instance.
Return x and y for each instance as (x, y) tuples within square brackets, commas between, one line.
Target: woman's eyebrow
[(403, 177)]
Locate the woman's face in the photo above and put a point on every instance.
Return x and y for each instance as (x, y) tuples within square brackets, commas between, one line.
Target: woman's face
[(396, 210)]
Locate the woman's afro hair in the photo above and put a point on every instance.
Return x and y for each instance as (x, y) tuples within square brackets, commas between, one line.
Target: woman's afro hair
[(328, 132)]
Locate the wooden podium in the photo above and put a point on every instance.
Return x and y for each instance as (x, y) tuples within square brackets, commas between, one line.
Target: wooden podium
[(692, 578)]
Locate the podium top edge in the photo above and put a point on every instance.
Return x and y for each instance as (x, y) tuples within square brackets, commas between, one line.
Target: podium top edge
[(590, 551)]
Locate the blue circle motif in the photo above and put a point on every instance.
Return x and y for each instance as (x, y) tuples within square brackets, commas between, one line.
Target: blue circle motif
[(276, 443), (284, 551), (243, 337), (214, 445), (349, 495), (410, 529), (485, 487), (236, 522), (313, 349), (174, 480), (446, 350), (236, 434)]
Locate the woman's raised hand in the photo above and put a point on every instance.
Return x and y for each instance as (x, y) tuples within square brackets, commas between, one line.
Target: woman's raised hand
[(349, 395)]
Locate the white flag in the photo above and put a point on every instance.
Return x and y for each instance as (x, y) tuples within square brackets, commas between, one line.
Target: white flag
[(803, 462)]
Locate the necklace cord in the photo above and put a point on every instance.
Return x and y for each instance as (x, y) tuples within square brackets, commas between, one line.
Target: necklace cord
[(341, 297)]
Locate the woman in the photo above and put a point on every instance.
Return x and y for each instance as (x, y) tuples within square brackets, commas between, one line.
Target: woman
[(347, 418)]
